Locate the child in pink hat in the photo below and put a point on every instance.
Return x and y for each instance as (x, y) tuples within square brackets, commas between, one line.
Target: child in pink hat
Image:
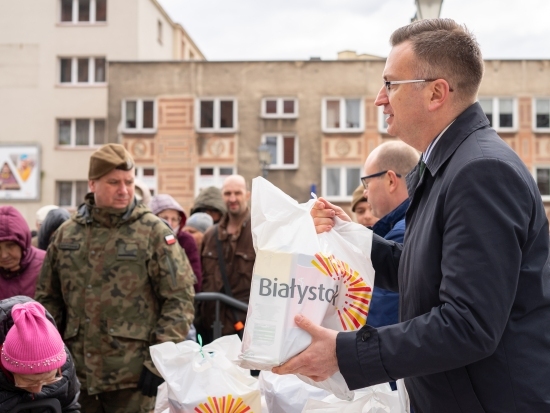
[(34, 357)]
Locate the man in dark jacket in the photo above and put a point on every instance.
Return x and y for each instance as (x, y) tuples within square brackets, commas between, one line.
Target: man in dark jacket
[(66, 390), (473, 273), (386, 189), (233, 237)]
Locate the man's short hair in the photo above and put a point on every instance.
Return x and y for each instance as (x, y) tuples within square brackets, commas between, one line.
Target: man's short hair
[(396, 156), (446, 50)]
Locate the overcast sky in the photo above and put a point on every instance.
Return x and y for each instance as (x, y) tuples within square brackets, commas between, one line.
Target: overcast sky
[(300, 29)]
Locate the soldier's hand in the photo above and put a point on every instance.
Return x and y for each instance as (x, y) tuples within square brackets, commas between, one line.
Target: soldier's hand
[(149, 382)]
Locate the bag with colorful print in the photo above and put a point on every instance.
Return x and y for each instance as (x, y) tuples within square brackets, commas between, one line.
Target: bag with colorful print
[(327, 277), (204, 379)]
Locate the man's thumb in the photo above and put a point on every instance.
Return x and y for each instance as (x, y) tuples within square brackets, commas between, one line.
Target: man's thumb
[(305, 324)]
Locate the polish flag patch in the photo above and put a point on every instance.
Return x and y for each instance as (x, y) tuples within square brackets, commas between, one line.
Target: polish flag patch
[(170, 239)]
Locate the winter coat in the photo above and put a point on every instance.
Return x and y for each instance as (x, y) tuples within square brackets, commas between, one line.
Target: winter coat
[(124, 285), (13, 227), (239, 257), (474, 281), (66, 390)]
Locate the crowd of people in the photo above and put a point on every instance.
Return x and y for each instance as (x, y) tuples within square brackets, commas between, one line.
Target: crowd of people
[(462, 289)]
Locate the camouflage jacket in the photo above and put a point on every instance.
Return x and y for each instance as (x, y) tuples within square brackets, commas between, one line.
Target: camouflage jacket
[(118, 285)]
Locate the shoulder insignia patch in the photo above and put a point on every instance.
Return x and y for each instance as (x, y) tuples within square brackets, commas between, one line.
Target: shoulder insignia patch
[(170, 239)]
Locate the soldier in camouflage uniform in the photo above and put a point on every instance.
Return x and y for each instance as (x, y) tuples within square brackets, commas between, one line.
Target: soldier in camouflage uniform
[(118, 280)]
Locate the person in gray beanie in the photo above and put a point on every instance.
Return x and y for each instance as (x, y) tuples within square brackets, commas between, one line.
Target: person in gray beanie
[(196, 226)]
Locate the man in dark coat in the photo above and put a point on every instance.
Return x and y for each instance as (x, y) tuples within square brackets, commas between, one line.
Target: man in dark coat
[(473, 273)]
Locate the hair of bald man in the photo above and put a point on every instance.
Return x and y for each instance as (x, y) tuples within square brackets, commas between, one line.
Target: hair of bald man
[(396, 156), (236, 178)]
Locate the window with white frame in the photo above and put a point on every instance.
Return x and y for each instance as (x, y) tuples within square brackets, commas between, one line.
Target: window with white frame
[(501, 112), (83, 11), (216, 114), (283, 149), (148, 175), (159, 31), (82, 70), (541, 114), (212, 176), (339, 182), (81, 132), (542, 175), (342, 115), (280, 108), (71, 193), (139, 115)]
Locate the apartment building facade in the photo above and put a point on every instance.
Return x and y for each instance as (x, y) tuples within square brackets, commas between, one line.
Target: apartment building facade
[(54, 81), (317, 118)]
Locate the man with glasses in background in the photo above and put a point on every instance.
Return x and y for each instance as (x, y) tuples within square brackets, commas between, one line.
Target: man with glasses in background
[(473, 272), (385, 188)]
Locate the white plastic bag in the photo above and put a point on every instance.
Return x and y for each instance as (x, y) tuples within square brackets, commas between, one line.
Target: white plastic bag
[(326, 277), (287, 394), (374, 399), (203, 381)]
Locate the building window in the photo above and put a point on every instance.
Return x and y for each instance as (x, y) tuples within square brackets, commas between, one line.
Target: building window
[(543, 181), (283, 149), (83, 11), (211, 176), (159, 31), (139, 115), (71, 193), (501, 112), (342, 115), (148, 175), (541, 113), (339, 182), (82, 70), (216, 114), (280, 108), (81, 132)]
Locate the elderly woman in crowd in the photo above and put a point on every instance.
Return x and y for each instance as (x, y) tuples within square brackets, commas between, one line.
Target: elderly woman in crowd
[(167, 208), (196, 226), (35, 364), (20, 262)]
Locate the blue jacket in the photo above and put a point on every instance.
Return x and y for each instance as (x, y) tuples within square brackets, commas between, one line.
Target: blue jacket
[(474, 283), (384, 307)]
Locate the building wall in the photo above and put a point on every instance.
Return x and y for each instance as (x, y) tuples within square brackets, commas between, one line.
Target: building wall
[(32, 38), (309, 81)]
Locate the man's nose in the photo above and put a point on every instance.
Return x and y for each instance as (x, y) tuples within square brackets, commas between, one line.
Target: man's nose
[(382, 97), (123, 189)]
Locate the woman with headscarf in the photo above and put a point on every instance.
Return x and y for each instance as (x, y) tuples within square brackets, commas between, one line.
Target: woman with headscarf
[(20, 262), (35, 364)]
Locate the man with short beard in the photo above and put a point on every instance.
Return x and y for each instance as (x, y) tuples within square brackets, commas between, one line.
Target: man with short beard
[(117, 278), (233, 237)]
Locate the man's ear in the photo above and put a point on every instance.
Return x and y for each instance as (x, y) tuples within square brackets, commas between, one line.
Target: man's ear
[(91, 184), (392, 181), (439, 93)]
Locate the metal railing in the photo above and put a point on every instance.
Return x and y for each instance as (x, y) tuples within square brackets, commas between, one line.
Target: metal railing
[(220, 297)]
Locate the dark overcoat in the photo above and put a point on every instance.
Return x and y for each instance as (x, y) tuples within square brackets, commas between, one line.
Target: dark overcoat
[(473, 277)]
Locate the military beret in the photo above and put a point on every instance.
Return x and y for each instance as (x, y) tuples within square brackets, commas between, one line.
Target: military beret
[(357, 197), (109, 157)]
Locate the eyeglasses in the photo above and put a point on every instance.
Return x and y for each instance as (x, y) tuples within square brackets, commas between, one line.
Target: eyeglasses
[(25, 383), (389, 83), (365, 179)]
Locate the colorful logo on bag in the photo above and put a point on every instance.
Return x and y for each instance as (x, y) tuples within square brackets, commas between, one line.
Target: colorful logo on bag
[(226, 404), (353, 313)]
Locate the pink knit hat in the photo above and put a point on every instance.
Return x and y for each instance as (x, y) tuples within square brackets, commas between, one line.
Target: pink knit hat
[(33, 345)]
